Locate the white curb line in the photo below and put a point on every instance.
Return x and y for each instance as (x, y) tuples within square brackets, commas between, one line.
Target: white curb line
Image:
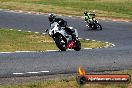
[(11, 29), (17, 73), (24, 51), (87, 48), (6, 52), (44, 33), (44, 71), (51, 50), (28, 31), (31, 72), (79, 38), (36, 32), (19, 30), (87, 39)]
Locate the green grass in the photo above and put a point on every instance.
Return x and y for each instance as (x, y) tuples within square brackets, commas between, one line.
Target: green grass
[(91, 44), (13, 40), (105, 8), (68, 83)]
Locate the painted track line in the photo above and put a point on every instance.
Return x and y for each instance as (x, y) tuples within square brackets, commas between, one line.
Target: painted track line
[(87, 39), (44, 71), (88, 48), (36, 32), (37, 72), (17, 73), (24, 51), (28, 31), (44, 33), (19, 30), (51, 50), (6, 52), (32, 72), (11, 29)]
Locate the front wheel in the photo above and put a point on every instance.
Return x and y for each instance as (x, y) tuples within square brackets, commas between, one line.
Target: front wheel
[(77, 45), (99, 27), (60, 42)]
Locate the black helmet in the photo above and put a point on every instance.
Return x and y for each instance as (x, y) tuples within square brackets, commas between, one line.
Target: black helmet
[(85, 12), (51, 17)]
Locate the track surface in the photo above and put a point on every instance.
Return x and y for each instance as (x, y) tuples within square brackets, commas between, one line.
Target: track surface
[(116, 58)]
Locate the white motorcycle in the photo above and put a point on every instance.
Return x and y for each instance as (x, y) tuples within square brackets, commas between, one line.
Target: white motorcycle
[(62, 39)]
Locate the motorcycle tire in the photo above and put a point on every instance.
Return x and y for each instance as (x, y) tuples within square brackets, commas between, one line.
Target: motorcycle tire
[(58, 40), (77, 46), (99, 27)]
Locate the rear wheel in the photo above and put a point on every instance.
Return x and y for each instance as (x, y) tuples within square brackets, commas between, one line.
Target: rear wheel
[(60, 42), (77, 45)]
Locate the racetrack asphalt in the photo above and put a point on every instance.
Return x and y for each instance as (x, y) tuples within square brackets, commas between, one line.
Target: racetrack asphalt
[(95, 60)]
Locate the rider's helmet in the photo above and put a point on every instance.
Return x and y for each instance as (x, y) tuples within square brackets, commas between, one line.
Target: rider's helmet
[(51, 17), (86, 12)]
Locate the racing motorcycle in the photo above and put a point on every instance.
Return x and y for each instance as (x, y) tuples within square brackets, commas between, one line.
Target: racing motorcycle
[(94, 24), (62, 39)]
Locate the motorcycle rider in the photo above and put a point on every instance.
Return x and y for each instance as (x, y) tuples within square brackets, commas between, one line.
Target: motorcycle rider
[(88, 16), (62, 23)]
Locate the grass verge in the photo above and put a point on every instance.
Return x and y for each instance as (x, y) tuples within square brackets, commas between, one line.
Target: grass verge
[(121, 9), (68, 83), (14, 40)]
